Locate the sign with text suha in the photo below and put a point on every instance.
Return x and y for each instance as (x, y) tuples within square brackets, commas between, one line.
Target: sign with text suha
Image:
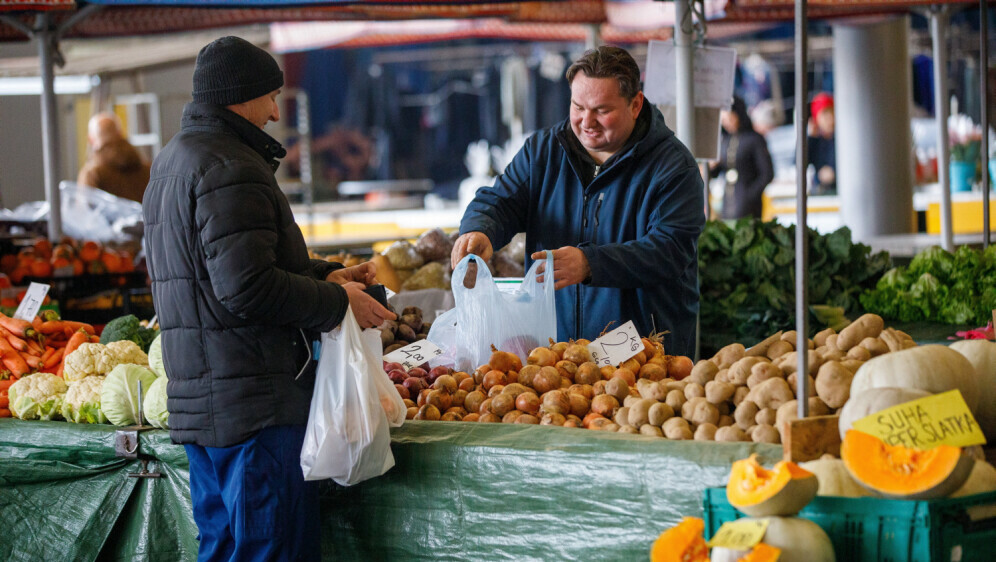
[(942, 419)]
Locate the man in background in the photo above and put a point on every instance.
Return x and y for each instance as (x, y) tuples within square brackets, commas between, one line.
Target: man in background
[(114, 165)]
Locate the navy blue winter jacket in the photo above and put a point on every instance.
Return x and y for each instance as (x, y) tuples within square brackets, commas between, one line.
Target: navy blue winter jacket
[(637, 222)]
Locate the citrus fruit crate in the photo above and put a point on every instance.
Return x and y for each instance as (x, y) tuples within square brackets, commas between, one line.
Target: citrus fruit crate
[(883, 530)]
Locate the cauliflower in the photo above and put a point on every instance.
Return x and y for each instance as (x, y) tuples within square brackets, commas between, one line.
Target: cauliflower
[(82, 401), (37, 396), (95, 359)]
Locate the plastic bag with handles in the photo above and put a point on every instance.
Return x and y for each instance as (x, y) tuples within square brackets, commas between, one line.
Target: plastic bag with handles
[(483, 316), (353, 406)]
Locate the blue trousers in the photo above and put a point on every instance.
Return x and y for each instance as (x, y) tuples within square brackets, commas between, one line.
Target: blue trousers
[(251, 501)]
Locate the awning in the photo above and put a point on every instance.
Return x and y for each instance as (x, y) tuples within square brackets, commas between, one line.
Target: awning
[(36, 5), (784, 10)]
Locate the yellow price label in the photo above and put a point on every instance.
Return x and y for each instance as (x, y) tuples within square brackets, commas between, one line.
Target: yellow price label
[(742, 534), (925, 423)]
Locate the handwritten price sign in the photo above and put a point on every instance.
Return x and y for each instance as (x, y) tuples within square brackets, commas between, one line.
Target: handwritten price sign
[(925, 423), (32, 301), (616, 346), (415, 354), (741, 534)]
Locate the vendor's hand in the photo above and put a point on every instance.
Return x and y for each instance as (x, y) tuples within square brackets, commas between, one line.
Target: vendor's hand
[(826, 175), (570, 266), (364, 273), (476, 243), (368, 312)]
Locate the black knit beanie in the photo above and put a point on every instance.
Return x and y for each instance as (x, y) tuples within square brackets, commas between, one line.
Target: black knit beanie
[(231, 70)]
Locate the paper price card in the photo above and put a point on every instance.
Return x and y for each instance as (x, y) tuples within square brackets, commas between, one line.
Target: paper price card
[(414, 354), (616, 346), (742, 534), (32, 301), (925, 423)]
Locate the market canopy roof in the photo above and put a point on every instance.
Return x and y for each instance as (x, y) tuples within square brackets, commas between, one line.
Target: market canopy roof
[(784, 10)]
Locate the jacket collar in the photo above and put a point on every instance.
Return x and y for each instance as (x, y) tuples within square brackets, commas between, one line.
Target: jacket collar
[(215, 118)]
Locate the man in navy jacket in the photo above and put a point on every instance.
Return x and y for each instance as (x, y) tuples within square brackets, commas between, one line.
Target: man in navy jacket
[(616, 198)]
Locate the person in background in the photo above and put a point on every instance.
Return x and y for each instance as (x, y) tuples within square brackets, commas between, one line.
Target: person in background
[(239, 303), (114, 165), (616, 198), (822, 151), (744, 162), (766, 116)]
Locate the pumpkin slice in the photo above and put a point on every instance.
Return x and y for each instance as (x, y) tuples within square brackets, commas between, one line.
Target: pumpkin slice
[(895, 471), (783, 490), (682, 543)]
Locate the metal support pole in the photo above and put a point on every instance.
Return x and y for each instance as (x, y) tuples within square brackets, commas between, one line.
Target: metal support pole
[(984, 99), (593, 37), (942, 107), (801, 238), (50, 125), (685, 73)]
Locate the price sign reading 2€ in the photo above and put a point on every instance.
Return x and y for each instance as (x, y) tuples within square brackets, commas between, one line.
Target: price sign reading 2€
[(32, 301), (616, 346), (413, 355)]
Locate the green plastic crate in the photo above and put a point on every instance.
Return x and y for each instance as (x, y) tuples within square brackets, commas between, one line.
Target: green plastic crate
[(881, 530)]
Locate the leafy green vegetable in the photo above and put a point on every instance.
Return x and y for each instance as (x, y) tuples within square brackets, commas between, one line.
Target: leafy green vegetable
[(938, 286), (119, 397), (154, 406), (747, 277)]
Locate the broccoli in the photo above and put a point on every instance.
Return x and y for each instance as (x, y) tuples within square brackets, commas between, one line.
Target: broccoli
[(128, 328)]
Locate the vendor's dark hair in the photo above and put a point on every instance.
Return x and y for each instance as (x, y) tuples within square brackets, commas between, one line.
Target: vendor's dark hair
[(740, 109), (609, 62)]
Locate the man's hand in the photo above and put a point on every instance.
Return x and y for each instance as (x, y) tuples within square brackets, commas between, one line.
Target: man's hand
[(368, 312), (476, 243), (364, 273), (826, 175), (570, 266)]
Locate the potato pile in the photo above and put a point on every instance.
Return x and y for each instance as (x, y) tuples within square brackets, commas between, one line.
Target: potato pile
[(737, 395), (757, 386)]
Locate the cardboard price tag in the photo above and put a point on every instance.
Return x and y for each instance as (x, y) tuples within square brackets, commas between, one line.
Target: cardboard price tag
[(741, 534), (616, 346), (32, 301), (413, 355), (925, 423)]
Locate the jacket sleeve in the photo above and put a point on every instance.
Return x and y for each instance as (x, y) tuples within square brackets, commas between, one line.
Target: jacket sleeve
[(667, 249), (320, 269), (237, 224), (500, 211), (764, 167)]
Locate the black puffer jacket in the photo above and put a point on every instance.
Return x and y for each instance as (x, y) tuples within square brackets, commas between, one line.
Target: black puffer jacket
[(232, 282)]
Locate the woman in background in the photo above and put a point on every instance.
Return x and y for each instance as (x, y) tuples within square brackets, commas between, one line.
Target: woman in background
[(744, 163)]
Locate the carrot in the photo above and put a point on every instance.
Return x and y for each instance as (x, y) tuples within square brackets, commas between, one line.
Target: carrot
[(35, 348), (4, 401), (12, 359), (15, 342), (78, 339), (53, 359), (34, 362), (5, 413), (94, 339), (36, 323), (5, 384), (20, 328), (53, 326), (48, 353)]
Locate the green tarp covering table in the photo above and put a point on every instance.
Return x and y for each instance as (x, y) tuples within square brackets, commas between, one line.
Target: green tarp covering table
[(459, 491)]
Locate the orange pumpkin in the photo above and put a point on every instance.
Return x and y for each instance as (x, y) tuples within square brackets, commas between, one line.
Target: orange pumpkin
[(759, 492), (682, 543)]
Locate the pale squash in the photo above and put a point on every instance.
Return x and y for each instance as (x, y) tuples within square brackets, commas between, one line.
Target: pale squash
[(682, 543), (783, 490), (761, 552), (982, 479), (834, 479), (799, 540), (874, 400), (899, 472), (934, 368), (982, 354)]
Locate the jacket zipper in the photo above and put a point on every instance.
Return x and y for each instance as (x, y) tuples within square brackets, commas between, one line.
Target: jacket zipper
[(577, 293)]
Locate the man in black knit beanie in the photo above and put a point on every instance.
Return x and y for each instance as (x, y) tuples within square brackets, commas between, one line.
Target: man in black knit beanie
[(239, 303)]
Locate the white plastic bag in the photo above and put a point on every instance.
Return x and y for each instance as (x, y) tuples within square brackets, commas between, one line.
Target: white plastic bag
[(484, 316), (354, 404)]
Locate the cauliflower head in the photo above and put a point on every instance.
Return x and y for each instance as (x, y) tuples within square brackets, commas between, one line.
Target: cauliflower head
[(82, 401), (95, 359), (38, 396)]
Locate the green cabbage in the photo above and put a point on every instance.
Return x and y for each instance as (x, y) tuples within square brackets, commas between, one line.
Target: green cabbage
[(119, 398), (155, 404), (156, 356)]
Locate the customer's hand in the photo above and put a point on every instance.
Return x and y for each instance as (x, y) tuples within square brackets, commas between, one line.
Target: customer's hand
[(570, 266), (476, 243), (364, 273), (368, 312)]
